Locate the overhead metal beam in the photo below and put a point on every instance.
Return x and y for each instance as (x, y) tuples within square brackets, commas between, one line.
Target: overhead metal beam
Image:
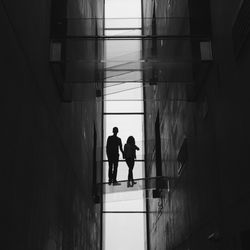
[(145, 37)]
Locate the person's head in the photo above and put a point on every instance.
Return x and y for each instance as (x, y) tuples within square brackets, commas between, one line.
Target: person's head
[(115, 130), (131, 140)]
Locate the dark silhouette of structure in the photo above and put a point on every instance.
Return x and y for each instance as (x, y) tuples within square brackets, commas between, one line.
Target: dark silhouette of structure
[(113, 145), (195, 63)]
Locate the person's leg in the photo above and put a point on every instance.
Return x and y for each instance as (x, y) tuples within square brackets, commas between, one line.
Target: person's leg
[(115, 171), (130, 164), (110, 172), (132, 167), (130, 174), (128, 183)]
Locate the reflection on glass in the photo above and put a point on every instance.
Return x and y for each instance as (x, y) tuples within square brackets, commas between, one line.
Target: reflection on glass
[(123, 91), (124, 76), (122, 50)]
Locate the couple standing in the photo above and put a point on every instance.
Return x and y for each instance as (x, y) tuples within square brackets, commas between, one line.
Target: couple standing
[(114, 143)]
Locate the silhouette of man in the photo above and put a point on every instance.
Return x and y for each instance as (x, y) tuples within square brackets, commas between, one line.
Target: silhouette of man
[(112, 150)]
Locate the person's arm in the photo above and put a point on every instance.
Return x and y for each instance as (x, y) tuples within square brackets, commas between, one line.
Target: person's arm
[(107, 147), (120, 145), (125, 150), (134, 148)]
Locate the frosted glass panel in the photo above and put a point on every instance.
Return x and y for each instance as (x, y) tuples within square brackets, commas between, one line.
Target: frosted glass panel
[(127, 204), (127, 231), (122, 9), (124, 32), (123, 106)]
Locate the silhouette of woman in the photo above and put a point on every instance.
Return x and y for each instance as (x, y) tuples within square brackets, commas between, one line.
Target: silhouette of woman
[(130, 156)]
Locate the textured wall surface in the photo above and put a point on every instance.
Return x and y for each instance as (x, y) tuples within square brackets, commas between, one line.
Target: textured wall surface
[(210, 197), (47, 162)]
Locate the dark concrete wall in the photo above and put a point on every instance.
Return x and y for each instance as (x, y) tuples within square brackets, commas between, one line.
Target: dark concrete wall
[(211, 194), (46, 145), (229, 104)]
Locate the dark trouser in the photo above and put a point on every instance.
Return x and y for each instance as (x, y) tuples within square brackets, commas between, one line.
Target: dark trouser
[(130, 162), (113, 165)]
